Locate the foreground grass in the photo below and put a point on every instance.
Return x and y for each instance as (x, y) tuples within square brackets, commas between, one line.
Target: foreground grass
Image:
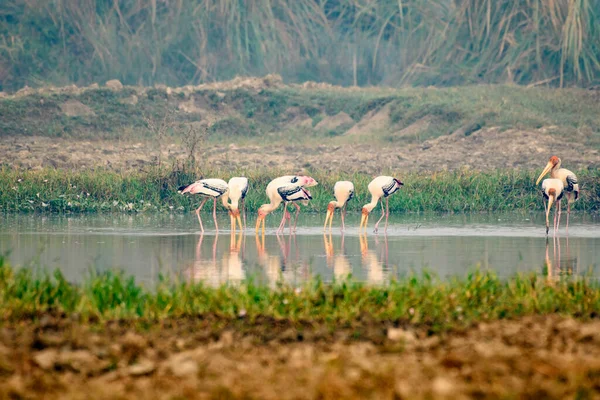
[(419, 300), (155, 190)]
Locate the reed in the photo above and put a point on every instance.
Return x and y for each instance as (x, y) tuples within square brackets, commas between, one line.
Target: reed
[(155, 190), (389, 42), (419, 300)]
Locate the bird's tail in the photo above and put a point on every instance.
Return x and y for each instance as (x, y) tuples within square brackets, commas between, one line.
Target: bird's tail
[(576, 191)]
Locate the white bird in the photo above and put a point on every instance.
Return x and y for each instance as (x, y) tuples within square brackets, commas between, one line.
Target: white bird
[(569, 181), (382, 186), (343, 191), (552, 190), (238, 188), (214, 188), (286, 189)]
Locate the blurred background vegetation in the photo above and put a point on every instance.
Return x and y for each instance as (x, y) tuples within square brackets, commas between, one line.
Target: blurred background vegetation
[(345, 42)]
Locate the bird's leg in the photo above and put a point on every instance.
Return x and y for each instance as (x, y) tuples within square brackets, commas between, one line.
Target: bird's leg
[(547, 207), (215, 214), (296, 218), (568, 210), (198, 214), (555, 218), (343, 215), (382, 215), (282, 223), (559, 212), (387, 212), (244, 211)]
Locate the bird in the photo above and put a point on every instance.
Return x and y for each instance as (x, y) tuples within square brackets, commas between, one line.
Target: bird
[(289, 188), (343, 191), (382, 186), (238, 188), (552, 190), (568, 178), (214, 188)]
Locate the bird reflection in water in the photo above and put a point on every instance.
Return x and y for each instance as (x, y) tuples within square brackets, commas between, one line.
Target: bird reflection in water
[(557, 265), (213, 273), (376, 273), (338, 262), (283, 268)]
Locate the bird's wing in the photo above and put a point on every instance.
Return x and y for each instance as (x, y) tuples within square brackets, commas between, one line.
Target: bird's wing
[(390, 187), (215, 188), (351, 194), (245, 190), (293, 192), (571, 182)]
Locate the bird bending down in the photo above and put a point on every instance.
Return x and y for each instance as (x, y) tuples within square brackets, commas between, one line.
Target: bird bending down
[(214, 188), (343, 191), (285, 189), (569, 181), (382, 186), (552, 190), (238, 188)]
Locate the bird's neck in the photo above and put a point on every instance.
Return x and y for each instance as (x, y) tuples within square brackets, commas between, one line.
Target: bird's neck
[(337, 204), (271, 206), (370, 206), (225, 200)]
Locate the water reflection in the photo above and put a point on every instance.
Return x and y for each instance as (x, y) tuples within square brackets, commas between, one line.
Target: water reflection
[(558, 265), (338, 262), (145, 246)]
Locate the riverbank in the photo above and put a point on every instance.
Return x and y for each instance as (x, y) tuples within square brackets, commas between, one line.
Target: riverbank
[(155, 190), (415, 338)]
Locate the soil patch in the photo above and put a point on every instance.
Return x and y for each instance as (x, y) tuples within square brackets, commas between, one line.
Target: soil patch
[(206, 357), (485, 149)]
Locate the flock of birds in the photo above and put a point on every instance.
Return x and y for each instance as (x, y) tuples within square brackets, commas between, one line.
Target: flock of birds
[(294, 189)]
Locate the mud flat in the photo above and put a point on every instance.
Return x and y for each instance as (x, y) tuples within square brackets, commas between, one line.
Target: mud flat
[(532, 357)]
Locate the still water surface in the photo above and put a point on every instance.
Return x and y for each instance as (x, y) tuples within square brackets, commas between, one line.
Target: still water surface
[(448, 245)]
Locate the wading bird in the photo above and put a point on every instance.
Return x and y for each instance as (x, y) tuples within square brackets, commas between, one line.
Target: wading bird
[(382, 186), (285, 189), (343, 191), (238, 188), (568, 178), (552, 190), (214, 188)]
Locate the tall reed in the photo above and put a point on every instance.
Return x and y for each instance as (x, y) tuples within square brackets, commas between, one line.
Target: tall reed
[(391, 42)]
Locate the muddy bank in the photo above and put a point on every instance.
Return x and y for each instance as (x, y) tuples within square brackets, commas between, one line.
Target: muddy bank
[(486, 149), (549, 357)]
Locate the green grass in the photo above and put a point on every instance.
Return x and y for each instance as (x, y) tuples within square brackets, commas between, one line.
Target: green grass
[(417, 300), (53, 191), (255, 116)]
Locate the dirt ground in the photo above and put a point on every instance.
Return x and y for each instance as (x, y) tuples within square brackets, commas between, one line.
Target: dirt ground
[(486, 149), (534, 357)]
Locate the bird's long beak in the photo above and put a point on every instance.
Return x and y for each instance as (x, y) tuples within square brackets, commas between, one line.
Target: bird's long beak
[(239, 221), (550, 200), (544, 172), (258, 223), (363, 221), (327, 218), (232, 220)]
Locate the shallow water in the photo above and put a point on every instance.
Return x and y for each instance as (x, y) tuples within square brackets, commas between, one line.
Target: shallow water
[(448, 245)]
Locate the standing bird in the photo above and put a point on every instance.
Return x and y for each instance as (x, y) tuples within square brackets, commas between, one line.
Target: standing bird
[(552, 190), (214, 188), (568, 178), (382, 186), (286, 189), (238, 188), (343, 191)]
